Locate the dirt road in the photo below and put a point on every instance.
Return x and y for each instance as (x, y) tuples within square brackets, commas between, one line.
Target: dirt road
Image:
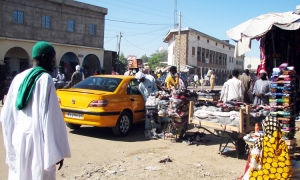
[(97, 154)]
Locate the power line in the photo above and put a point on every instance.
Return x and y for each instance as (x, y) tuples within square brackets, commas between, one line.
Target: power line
[(109, 40), (151, 40), (131, 22), (135, 45), (137, 10), (145, 7), (114, 20)]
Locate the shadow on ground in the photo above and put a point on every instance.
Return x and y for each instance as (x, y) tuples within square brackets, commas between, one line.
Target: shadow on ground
[(136, 133)]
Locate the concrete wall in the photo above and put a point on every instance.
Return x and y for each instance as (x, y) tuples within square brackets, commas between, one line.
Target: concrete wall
[(80, 51), (192, 39), (60, 12)]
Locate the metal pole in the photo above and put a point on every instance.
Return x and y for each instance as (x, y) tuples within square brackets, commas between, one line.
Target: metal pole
[(118, 62), (179, 43), (175, 13)]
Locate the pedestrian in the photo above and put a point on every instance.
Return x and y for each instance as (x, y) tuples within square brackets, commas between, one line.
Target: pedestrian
[(212, 80), (113, 72), (181, 84), (76, 77), (103, 71), (2, 84), (96, 72), (245, 78), (233, 89), (251, 96), (261, 87), (147, 86), (34, 132), (172, 78), (222, 97), (196, 80), (60, 76), (128, 73)]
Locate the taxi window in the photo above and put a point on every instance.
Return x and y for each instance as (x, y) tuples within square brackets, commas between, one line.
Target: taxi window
[(99, 83), (133, 87)]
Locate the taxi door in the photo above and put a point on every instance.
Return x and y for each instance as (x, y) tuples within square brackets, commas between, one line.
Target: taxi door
[(136, 100)]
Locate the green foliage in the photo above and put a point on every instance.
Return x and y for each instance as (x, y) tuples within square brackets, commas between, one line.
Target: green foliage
[(124, 63), (145, 58), (154, 60), (164, 56)]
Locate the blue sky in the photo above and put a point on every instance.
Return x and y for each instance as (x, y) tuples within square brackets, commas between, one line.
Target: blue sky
[(144, 23)]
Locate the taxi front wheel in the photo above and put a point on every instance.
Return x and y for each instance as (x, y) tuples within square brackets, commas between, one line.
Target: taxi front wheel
[(123, 125), (73, 126)]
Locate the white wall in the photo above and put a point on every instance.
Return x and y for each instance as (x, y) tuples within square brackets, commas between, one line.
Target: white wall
[(170, 52), (194, 42), (253, 61)]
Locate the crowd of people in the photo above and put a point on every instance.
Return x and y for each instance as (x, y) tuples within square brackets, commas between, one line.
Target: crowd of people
[(243, 88)]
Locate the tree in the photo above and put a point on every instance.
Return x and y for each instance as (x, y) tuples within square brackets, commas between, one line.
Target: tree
[(164, 56), (123, 62), (145, 58), (154, 60)]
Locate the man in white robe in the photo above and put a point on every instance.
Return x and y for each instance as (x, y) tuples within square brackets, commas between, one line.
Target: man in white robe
[(233, 90), (261, 87), (222, 96), (33, 127)]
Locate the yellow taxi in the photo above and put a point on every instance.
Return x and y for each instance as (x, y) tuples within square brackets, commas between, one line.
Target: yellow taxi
[(103, 101)]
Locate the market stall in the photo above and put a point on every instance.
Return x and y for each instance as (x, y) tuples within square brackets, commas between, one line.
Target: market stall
[(279, 36), (171, 109)]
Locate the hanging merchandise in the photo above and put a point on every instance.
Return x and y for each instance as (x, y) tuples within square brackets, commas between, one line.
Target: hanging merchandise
[(283, 98)]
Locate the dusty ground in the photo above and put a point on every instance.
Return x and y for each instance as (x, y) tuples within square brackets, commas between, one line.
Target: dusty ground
[(98, 154)]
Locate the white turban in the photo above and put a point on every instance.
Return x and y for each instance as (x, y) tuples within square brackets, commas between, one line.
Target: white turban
[(262, 71), (77, 68), (139, 75)]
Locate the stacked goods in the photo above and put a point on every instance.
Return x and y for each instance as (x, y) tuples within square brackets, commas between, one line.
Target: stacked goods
[(282, 99), (208, 94), (174, 104)]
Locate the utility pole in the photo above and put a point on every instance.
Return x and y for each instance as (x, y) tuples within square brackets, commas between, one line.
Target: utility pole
[(179, 43), (175, 14), (118, 62), (175, 26)]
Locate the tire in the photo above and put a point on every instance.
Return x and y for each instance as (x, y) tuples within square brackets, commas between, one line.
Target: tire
[(73, 126), (123, 125)]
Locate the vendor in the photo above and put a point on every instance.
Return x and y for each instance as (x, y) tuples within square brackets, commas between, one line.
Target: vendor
[(261, 87), (269, 158), (172, 78), (147, 86)]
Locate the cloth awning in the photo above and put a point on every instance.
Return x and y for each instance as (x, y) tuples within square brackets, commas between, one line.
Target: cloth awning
[(259, 26)]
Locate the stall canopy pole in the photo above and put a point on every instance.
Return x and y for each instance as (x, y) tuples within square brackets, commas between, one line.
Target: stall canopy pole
[(274, 52)]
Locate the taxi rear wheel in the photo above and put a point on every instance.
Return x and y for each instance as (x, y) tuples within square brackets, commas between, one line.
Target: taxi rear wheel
[(123, 125), (73, 126)]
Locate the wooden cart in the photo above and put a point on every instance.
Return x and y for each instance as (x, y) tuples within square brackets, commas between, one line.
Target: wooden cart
[(227, 134)]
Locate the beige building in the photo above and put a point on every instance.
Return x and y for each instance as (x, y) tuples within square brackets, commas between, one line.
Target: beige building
[(203, 52), (75, 29)]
